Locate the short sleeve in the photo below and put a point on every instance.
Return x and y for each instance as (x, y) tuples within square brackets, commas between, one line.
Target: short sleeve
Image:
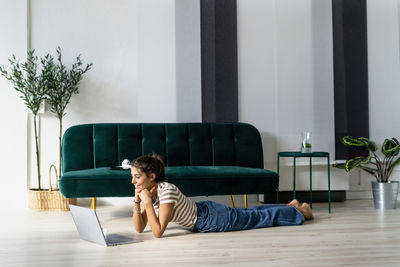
[(168, 194)]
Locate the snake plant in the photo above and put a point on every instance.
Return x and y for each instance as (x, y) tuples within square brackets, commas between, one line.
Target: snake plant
[(380, 168)]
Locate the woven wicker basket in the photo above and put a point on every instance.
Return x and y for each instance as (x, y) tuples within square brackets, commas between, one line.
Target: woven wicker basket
[(51, 200)]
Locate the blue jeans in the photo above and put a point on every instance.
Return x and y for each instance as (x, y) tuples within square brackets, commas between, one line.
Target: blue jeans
[(215, 217)]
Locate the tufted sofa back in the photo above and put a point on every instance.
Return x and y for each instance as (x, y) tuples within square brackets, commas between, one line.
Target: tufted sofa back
[(181, 144)]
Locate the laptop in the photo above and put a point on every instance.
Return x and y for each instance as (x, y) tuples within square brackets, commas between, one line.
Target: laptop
[(89, 228)]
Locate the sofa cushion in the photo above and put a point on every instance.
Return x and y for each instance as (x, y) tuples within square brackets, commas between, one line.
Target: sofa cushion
[(181, 144), (97, 182), (191, 180)]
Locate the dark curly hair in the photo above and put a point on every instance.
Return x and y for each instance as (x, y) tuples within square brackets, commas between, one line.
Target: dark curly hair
[(149, 164)]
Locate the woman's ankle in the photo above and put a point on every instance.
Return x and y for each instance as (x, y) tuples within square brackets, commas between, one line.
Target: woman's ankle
[(306, 211)]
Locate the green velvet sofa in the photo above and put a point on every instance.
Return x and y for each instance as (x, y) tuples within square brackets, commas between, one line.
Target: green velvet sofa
[(202, 159)]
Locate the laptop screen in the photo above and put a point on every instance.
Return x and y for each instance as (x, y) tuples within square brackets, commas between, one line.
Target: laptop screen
[(88, 225)]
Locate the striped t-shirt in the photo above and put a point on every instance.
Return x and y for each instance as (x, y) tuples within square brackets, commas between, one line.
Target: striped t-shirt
[(184, 212)]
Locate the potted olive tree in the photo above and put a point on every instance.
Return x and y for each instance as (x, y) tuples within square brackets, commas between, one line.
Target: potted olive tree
[(62, 83), (384, 191), (29, 81), (50, 81)]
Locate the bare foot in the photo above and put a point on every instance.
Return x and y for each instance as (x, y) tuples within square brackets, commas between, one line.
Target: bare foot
[(306, 211), (294, 203)]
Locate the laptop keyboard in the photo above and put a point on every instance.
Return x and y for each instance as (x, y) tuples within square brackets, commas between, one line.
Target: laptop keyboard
[(118, 239)]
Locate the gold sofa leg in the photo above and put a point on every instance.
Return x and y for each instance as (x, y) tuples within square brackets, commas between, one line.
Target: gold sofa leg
[(246, 198), (233, 201), (93, 204)]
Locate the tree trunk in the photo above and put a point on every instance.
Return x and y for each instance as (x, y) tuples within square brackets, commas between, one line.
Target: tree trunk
[(37, 151), (60, 140)]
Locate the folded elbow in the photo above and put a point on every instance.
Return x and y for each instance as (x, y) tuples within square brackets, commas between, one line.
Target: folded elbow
[(139, 230), (158, 235)]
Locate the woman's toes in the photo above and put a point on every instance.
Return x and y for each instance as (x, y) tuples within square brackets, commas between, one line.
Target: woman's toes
[(307, 211), (294, 203)]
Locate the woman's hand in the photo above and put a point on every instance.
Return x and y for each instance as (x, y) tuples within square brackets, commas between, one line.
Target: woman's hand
[(145, 196), (137, 193)]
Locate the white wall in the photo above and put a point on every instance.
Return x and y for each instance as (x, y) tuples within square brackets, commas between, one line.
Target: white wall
[(13, 114), (384, 67), (188, 60), (384, 83), (132, 46), (285, 73), (286, 81), (157, 70), (257, 69)]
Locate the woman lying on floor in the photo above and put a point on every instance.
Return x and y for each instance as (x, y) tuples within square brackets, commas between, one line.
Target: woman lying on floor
[(158, 203)]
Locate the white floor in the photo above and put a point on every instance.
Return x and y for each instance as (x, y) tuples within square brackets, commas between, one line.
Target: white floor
[(354, 234)]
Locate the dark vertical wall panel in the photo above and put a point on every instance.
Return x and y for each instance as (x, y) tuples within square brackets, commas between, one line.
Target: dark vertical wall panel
[(219, 60), (350, 71)]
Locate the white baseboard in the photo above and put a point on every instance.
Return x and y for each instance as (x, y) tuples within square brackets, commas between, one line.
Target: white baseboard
[(359, 194)]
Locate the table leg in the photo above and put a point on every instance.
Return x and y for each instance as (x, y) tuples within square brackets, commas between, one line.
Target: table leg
[(277, 190), (329, 186), (311, 182), (294, 177)]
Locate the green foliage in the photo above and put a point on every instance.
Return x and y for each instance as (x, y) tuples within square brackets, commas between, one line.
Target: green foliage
[(340, 165), (351, 141), (357, 161), (31, 84), (369, 144), (390, 148), (61, 82), (27, 80), (380, 169), (45, 80)]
